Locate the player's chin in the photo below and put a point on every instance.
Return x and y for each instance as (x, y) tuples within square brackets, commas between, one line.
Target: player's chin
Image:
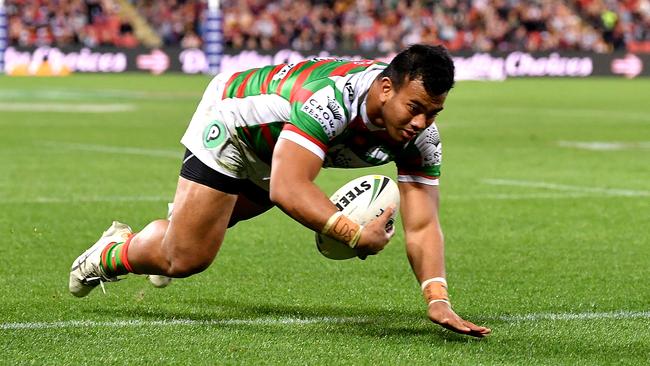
[(401, 136), (406, 136)]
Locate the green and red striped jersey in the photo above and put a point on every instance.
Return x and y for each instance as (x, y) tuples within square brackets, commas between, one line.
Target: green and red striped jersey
[(320, 104)]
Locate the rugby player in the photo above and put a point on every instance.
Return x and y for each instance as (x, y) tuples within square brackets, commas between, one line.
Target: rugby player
[(260, 137)]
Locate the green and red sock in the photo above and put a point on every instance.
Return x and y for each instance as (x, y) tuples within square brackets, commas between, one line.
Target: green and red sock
[(114, 258)]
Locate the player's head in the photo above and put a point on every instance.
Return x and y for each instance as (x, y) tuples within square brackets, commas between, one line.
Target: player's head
[(432, 65), (413, 89)]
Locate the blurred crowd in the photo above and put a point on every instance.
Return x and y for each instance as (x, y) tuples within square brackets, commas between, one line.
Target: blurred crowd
[(478, 25), (90, 23), (368, 25), (176, 22)]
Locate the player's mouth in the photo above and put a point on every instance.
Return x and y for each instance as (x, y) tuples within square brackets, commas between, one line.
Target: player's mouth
[(408, 134)]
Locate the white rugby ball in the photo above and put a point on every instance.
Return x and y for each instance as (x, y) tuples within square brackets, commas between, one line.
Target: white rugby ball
[(362, 199)]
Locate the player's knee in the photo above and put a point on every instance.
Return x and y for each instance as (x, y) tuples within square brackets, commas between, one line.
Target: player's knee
[(185, 267)]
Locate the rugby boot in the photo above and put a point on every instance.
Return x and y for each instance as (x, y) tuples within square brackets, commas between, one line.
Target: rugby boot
[(86, 272)]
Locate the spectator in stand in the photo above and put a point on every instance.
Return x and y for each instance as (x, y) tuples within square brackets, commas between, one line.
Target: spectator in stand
[(126, 38), (190, 40), (623, 24)]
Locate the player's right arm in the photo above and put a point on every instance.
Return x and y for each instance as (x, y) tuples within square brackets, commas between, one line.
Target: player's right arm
[(292, 188), (317, 116)]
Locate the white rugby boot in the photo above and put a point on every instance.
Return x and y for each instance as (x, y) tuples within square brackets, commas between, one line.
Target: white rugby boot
[(86, 272), (161, 281)]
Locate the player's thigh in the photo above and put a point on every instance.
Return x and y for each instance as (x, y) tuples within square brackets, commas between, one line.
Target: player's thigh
[(198, 224)]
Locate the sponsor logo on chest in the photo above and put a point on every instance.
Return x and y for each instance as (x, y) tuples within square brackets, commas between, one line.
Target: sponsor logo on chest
[(323, 107)]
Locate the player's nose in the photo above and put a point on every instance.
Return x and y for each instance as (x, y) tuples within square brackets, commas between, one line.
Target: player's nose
[(419, 122)]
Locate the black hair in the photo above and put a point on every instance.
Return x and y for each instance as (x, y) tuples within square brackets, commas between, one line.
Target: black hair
[(431, 64)]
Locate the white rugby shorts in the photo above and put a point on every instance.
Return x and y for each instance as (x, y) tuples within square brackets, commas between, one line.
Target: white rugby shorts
[(212, 138)]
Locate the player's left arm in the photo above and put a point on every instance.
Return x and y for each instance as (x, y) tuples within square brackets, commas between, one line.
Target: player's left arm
[(425, 250)]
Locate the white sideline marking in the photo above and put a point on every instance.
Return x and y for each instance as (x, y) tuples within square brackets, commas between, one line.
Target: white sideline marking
[(576, 316), (114, 149), (564, 187), (88, 199), (66, 108), (605, 145), (177, 322)]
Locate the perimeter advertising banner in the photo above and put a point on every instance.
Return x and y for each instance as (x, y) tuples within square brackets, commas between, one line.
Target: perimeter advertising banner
[(469, 66)]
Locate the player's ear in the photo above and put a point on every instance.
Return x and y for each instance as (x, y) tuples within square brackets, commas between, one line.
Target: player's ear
[(386, 87)]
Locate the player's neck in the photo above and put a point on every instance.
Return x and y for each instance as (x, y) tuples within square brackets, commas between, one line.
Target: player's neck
[(373, 105)]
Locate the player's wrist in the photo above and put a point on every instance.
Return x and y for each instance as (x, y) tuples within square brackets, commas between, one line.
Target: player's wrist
[(434, 291), (341, 228)]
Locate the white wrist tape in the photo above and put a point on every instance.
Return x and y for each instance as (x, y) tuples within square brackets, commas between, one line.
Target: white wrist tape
[(330, 222)]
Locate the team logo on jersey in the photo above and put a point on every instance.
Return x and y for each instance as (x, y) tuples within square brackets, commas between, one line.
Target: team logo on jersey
[(323, 107), (430, 147), (214, 134), (349, 90), (431, 135), (377, 155)]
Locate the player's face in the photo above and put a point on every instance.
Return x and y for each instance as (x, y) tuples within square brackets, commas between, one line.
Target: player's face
[(409, 110)]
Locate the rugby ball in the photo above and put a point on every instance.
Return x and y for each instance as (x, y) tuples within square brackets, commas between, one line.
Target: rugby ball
[(362, 199)]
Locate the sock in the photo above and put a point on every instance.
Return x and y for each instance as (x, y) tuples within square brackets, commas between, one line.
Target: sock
[(114, 258)]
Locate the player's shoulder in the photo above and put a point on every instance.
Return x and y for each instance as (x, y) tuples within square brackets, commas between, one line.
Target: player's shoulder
[(328, 81), (426, 147), (328, 95), (429, 136), (321, 68)]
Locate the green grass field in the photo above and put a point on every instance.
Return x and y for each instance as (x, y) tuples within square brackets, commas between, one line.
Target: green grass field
[(545, 208)]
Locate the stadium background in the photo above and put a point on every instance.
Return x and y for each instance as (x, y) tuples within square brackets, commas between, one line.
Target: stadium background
[(490, 39)]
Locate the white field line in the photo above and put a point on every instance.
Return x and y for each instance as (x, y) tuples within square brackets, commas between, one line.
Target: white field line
[(576, 316), (505, 196), (533, 317), (66, 108), (569, 188), (516, 196), (613, 115), (605, 145), (84, 94), (180, 322), (91, 199), (88, 199), (114, 149)]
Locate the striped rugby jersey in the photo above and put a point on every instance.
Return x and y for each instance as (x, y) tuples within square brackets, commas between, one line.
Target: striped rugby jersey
[(320, 104)]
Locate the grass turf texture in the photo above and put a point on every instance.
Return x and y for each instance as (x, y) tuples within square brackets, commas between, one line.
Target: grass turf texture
[(532, 227)]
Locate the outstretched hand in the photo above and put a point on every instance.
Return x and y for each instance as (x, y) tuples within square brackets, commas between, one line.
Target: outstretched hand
[(442, 314)]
